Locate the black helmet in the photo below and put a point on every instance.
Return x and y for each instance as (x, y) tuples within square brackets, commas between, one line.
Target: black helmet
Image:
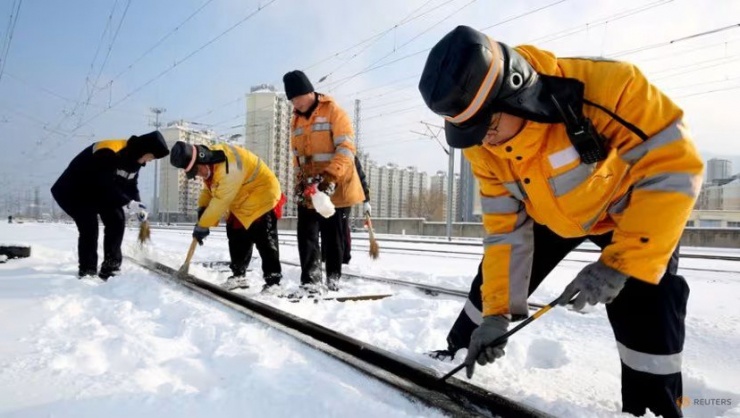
[(468, 77), (152, 142), (187, 156)]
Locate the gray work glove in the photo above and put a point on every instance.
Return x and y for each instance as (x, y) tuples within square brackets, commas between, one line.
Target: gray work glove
[(596, 283), (491, 328)]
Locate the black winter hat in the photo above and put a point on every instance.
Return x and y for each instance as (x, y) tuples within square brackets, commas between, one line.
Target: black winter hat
[(152, 142), (461, 78), (188, 156), (181, 156), (468, 77), (296, 83)]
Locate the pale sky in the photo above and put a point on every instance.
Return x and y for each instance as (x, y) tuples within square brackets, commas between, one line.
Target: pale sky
[(76, 71)]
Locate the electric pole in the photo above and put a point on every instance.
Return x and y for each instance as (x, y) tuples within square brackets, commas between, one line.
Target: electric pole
[(356, 210), (433, 131), (155, 207), (357, 120)]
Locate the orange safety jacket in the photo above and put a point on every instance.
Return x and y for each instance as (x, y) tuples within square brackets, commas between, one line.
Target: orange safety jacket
[(323, 144), (643, 191)]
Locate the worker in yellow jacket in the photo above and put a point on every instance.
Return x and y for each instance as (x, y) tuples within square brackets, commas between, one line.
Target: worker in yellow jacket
[(569, 149), (322, 141), (239, 185)]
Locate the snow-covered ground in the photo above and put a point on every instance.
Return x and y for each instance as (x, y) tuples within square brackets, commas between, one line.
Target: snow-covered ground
[(137, 346)]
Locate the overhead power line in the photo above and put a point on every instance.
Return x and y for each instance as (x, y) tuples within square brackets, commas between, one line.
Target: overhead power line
[(674, 41), (403, 21), (177, 63), (161, 40), (11, 30)]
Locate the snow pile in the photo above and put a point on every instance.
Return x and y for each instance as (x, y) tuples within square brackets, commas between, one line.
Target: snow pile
[(136, 346)]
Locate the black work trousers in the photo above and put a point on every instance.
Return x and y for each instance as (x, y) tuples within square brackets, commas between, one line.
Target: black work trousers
[(262, 233), (310, 225), (86, 218), (346, 232), (647, 320)]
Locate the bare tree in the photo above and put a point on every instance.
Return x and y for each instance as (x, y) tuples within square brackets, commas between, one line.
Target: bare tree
[(429, 204)]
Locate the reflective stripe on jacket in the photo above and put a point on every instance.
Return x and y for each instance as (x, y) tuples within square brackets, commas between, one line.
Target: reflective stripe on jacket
[(643, 191), (242, 186), (324, 144)]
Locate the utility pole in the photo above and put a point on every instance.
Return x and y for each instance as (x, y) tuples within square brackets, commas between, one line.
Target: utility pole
[(155, 207), (434, 131), (36, 204), (357, 126)]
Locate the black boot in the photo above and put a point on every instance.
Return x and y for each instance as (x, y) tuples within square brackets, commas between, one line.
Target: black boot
[(442, 355), (332, 282), (272, 281), (109, 269), (86, 272)]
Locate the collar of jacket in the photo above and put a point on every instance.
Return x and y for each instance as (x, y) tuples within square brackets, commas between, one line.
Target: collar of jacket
[(209, 180), (307, 113), (526, 144)]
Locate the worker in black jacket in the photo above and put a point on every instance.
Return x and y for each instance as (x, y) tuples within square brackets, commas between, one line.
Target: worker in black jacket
[(102, 180)]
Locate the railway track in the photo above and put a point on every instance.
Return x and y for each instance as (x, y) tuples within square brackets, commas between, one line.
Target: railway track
[(452, 396), (472, 256), (425, 288), (385, 240)]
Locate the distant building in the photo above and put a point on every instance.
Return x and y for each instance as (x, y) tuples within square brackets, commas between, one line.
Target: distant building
[(439, 185), (468, 204), (720, 195), (267, 130), (718, 170), (178, 196)]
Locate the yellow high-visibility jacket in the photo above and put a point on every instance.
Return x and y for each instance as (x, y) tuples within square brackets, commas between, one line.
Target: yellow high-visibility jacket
[(324, 144), (243, 185), (643, 191)]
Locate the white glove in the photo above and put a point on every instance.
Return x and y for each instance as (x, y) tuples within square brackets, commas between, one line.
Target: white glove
[(323, 205), (137, 208), (367, 209)]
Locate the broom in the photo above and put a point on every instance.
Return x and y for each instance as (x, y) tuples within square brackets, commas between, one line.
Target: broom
[(374, 247), (144, 232)]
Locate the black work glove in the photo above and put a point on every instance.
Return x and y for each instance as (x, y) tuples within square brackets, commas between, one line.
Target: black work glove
[(326, 184), (200, 233)]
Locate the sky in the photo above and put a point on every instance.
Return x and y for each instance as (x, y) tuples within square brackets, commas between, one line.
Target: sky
[(78, 71)]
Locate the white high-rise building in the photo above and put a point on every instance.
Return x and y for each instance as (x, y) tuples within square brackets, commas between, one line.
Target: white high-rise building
[(178, 196), (413, 185), (718, 169), (267, 131), (372, 171), (468, 202)]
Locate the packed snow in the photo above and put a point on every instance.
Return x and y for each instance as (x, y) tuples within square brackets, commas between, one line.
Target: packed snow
[(140, 346)]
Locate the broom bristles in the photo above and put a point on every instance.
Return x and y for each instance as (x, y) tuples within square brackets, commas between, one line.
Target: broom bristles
[(144, 232), (374, 247)]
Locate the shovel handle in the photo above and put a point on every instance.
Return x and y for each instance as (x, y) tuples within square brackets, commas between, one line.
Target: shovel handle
[(191, 251)]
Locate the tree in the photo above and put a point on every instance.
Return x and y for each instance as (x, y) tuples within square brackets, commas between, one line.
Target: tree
[(428, 205)]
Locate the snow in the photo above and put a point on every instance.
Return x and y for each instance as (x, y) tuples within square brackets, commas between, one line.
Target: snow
[(137, 346)]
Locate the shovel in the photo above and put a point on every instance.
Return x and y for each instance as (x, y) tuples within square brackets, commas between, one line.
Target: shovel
[(183, 271)]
